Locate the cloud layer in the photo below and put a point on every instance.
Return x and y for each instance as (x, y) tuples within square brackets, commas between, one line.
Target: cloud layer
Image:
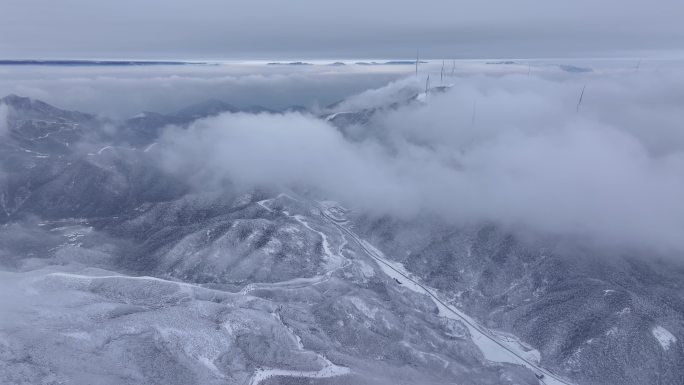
[(124, 92), (508, 149)]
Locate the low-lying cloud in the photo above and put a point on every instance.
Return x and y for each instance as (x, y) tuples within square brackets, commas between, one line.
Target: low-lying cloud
[(511, 150), (122, 92)]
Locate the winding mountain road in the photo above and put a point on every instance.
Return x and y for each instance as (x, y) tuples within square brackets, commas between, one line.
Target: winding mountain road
[(493, 349)]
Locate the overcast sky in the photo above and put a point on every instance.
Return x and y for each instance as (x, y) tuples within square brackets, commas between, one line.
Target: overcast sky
[(225, 29)]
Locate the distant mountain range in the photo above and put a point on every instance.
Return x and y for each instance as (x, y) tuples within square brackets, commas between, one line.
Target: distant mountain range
[(80, 63)]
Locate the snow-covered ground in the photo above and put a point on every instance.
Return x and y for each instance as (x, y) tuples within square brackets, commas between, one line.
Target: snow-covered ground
[(334, 260), (330, 370), (495, 347), (664, 337)]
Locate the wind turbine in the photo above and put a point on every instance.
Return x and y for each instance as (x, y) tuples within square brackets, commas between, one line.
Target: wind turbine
[(579, 102), (441, 74), (417, 59)]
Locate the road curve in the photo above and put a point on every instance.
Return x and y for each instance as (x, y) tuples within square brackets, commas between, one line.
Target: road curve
[(549, 377)]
